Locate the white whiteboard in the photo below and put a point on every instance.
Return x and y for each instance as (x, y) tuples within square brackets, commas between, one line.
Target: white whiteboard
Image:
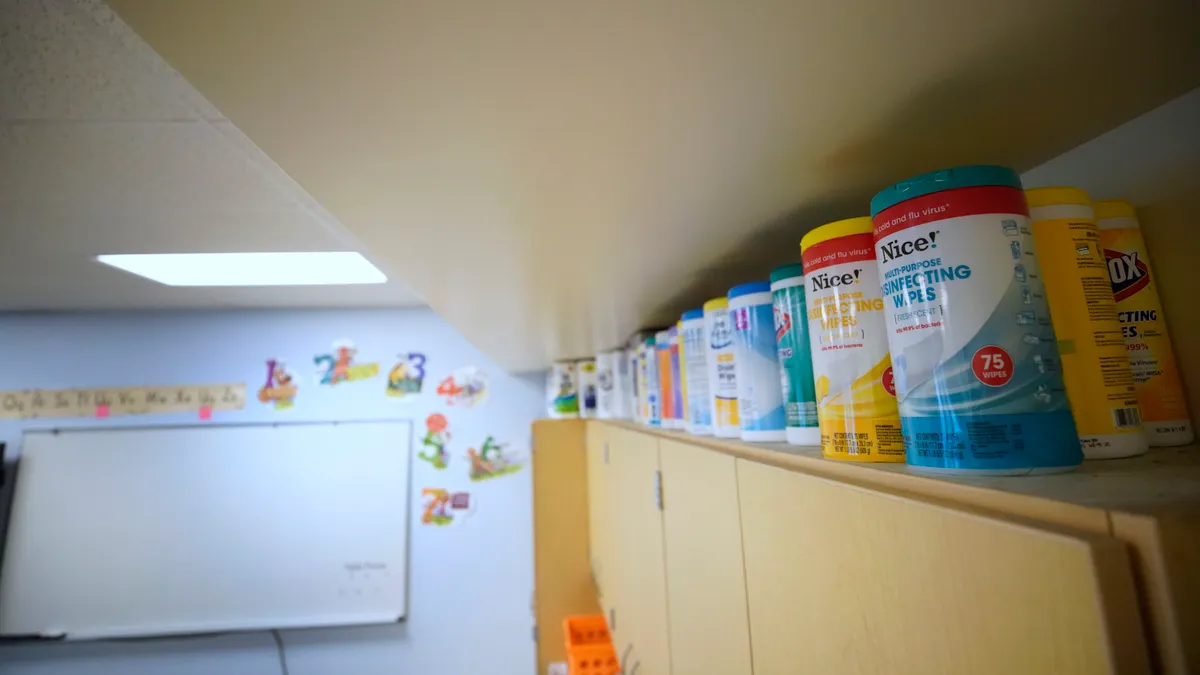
[(140, 532)]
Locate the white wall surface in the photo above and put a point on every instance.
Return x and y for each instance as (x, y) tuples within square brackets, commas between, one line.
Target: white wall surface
[(470, 585)]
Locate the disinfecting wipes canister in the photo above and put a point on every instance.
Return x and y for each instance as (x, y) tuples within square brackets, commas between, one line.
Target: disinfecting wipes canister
[(1095, 365), (605, 386), (795, 356), (622, 384), (651, 395), (760, 397), (678, 413), (855, 393), (682, 368), (562, 392), (637, 384), (977, 372), (666, 395), (695, 356), (585, 375), (1139, 309), (722, 372)]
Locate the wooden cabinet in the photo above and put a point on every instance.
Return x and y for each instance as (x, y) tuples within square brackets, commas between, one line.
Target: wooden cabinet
[(844, 579), (598, 520), (640, 631), (706, 580), (562, 582), (770, 559)]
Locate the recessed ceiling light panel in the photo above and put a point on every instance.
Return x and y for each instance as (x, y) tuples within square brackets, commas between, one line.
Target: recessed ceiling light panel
[(250, 269)]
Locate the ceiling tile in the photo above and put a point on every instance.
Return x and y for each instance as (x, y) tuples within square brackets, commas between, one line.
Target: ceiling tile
[(106, 149), (63, 60)]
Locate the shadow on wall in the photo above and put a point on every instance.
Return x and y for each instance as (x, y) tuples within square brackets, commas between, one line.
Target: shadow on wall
[(1165, 224)]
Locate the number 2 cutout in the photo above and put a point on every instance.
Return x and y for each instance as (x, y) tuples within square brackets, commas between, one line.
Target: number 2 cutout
[(326, 359)]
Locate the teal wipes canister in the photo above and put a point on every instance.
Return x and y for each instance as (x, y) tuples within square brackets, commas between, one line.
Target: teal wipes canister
[(795, 357), (695, 355), (977, 373), (760, 397)]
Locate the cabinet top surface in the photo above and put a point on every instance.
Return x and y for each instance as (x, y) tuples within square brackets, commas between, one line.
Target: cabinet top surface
[(1164, 478)]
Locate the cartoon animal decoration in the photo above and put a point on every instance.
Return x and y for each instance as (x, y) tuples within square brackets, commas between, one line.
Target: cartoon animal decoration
[(436, 507), (440, 504), (466, 387), (490, 461), (280, 388), (407, 376), (339, 366), (437, 434)]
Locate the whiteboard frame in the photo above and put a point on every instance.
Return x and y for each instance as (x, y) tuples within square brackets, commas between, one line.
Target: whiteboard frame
[(13, 480)]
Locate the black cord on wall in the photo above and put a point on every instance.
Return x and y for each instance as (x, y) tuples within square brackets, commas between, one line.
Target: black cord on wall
[(283, 666)]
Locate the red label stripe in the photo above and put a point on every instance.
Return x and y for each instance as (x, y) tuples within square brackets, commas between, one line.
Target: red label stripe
[(852, 248), (949, 204)]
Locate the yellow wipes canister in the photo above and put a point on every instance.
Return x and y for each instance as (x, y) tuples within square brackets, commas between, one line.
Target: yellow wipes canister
[(855, 387), (1139, 309), (1095, 365), (722, 371)]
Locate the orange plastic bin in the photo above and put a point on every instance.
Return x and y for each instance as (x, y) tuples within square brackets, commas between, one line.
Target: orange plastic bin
[(593, 660), (589, 646), (586, 630)]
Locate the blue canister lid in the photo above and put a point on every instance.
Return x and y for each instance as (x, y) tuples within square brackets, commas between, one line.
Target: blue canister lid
[(978, 175), (692, 314), (747, 289)]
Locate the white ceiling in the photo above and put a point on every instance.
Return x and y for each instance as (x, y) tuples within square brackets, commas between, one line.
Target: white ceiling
[(105, 149)]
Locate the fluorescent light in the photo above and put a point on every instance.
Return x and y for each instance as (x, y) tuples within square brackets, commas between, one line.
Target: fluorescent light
[(250, 269)]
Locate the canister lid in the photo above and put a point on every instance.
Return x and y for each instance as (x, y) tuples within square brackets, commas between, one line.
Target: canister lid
[(979, 175), (693, 314), (838, 228), (750, 288), (787, 272), (716, 303), (1114, 208), (1050, 196)]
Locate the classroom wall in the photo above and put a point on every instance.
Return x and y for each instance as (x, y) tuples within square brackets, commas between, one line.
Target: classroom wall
[(470, 585)]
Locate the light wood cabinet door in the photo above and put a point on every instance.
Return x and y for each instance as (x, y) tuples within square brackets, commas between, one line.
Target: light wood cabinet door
[(562, 583), (611, 553), (846, 580), (641, 603), (706, 578), (598, 519)]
